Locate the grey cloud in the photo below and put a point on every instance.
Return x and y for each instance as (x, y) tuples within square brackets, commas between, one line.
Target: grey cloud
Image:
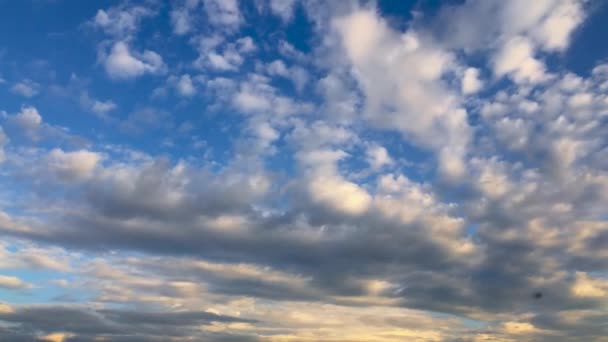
[(114, 325)]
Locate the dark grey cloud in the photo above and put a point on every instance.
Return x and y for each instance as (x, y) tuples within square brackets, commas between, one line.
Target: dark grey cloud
[(84, 324)]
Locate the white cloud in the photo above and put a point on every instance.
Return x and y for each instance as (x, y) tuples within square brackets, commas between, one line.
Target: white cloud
[(377, 157), (229, 60), (216, 54), (554, 30), (72, 166), (245, 45), (224, 13), (339, 195), (103, 107), (470, 81), (298, 75), (516, 58), (13, 283), (182, 17), (28, 120), (122, 64), (283, 8), (403, 86), (26, 88), (184, 86), (121, 21), (587, 287)]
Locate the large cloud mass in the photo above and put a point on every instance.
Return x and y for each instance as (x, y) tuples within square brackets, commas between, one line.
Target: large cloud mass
[(431, 178)]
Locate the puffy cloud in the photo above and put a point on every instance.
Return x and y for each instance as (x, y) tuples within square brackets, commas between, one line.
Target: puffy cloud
[(402, 86), (549, 23), (123, 20), (184, 86), (182, 18), (283, 8), (227, 57), (103, 107), (517, 59), (120, 63), (223, 13), (377, 157), (13, 283), (26, 88), (28, 121), (470, 81), (70, 166)]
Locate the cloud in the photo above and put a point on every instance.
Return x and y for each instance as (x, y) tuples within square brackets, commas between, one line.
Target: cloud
[(224, 14), (416, 102), (70, 166), (184, 86), (182, 19), (223, 57), (120, 63), (103, 107), (123, 20), (283, 8), (470, 81), (13, 283), (433, 178), (516, 58), (26, 88), (377, 157), (28, 120), (144, 119)]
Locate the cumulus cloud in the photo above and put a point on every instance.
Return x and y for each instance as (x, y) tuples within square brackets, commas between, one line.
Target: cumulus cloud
[(28, 120), (470, 81), (103, 107), (74, 165), (185, 87), (283, 8), (517, 58), (225, 14), (26, 88), (377, 157), (123, 20), (13, 283), (182, 19), (121, 63), (413, 100)]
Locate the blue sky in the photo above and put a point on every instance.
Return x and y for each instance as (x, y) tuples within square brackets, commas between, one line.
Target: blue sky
[(302, 170)]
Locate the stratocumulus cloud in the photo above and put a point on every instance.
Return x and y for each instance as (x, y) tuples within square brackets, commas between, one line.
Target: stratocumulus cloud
[(302, 170)]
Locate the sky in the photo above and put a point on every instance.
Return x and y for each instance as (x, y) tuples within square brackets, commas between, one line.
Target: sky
[(303, 170)]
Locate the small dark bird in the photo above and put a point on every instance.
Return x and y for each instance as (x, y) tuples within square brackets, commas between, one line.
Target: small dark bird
[(538, 295)]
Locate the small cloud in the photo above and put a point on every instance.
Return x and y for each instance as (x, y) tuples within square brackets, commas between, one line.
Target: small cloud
[(71, 166), (224, 13), (26, 88), (283, 9), (103, 107), (121, 63), (28, 120), (121, 21), (13, 283), (471, 82), (377, 157), (184, 86)]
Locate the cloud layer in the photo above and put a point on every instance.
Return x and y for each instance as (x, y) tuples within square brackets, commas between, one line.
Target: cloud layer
[(428, 177)]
